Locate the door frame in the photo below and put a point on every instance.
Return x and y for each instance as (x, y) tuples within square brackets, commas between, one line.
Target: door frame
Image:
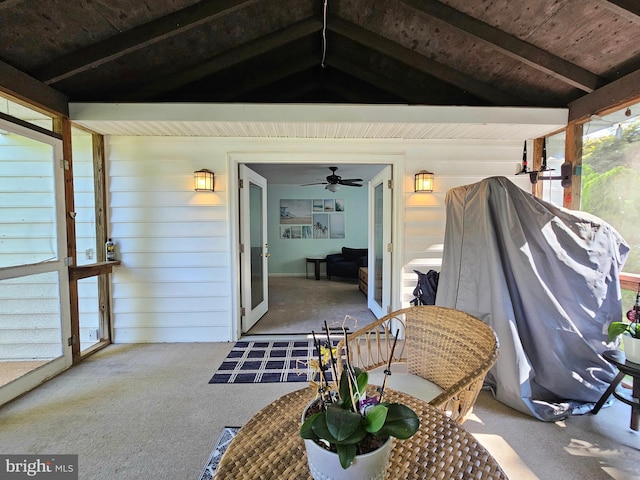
[(59, 265), (311, 156)]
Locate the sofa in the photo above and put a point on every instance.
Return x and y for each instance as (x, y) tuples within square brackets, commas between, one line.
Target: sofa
[(347, 263)]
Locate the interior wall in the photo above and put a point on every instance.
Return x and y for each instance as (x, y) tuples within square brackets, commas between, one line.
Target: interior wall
[(174, 284), (288, 255)]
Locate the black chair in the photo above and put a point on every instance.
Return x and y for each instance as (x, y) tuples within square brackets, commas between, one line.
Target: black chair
[(346, 264)]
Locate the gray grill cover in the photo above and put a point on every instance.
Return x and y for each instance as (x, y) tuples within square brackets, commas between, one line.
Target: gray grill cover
[(547, 280)]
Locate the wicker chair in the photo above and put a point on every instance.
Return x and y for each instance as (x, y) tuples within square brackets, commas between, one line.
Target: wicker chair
[(448, 348)]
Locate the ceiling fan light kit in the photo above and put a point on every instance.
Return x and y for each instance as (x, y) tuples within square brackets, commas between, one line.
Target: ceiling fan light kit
[(334, 181)]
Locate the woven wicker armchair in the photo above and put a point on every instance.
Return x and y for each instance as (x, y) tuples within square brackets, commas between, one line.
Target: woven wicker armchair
[(448, 348)]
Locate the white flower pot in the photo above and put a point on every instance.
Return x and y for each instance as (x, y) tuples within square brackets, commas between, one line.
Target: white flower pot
[(325, 465), (631, 348)]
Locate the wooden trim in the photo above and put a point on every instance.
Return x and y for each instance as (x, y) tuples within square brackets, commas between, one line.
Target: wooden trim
[(100, 198), (31, 92), (92, 270), (629, 281), (30, 126), (613, 96), (537, 189), (573, 155), (62, 125)]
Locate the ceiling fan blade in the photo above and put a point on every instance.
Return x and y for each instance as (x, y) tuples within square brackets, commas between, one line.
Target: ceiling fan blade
[(318, 183), (349, 184)]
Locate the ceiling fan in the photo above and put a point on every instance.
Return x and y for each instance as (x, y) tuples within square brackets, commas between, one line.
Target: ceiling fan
[(333, 180)]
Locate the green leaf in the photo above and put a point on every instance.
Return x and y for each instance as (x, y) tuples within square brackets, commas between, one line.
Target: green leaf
[(402, 422), (342, 423), (375, 418), (346, 454), (306, 430), (363, 379), (320, 428), (617, 328), (345, 391)]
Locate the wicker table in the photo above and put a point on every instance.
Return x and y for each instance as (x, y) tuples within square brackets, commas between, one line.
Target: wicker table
[(269, 446)]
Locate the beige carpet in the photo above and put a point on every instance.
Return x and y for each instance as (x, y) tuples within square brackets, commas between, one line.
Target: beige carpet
[(298, 305)]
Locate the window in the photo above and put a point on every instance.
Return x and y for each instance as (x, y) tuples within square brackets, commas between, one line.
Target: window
[(611, 175)]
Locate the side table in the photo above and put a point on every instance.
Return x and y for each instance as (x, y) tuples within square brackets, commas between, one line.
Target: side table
[(317, 261), (625, 367)]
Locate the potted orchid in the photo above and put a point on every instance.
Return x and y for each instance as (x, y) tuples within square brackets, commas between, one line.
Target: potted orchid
[(630, 332), (346, 426)]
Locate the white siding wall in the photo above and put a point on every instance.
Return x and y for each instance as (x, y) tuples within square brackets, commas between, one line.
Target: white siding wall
[(454, 163), (174, 284)]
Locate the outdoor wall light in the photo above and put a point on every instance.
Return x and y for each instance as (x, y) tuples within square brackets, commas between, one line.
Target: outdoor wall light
[(424, 182), (203, 180)]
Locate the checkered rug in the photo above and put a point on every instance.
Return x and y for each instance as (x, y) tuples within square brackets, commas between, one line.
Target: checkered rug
[(267, 362)]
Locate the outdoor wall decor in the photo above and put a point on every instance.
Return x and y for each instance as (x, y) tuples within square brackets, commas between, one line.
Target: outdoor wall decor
[(317, 218)]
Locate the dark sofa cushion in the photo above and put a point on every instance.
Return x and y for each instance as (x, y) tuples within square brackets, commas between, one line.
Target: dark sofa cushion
[(347, 263), (354, 254)]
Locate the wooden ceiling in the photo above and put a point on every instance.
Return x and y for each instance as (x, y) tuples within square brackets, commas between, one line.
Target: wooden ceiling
[(541, 53)]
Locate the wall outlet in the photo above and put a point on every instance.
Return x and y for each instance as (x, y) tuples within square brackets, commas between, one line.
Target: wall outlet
[(94, 335), (89, 252)]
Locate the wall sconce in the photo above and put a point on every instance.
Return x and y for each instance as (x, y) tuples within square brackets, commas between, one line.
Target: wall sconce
[(203, 180), (424, 182)]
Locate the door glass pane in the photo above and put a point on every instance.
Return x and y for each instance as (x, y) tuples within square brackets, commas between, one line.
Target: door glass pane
[(84, 197), (553, 191), (255, 208), (30, 324), (378, 241), (88, 308), (27, 201), (25, 113)]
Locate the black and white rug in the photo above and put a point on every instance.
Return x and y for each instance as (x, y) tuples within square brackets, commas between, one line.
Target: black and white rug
[(267, 362), (214, 459)]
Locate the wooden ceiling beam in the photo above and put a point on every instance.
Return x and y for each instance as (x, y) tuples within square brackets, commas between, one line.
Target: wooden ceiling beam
[(119, 45), (391, 86), (509, 45), (30, 91), (352, 95), (624, 91), (423, 64), (623, 7), (225, 60), (255, 82)]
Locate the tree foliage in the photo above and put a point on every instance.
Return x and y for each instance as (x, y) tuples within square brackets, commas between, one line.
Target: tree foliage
[(611, 185)]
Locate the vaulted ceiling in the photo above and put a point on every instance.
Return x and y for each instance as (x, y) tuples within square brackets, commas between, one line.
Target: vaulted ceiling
[(544, 53)]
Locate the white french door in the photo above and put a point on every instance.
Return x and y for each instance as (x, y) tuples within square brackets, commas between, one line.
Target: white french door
[(254, 249), (380, 242)]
